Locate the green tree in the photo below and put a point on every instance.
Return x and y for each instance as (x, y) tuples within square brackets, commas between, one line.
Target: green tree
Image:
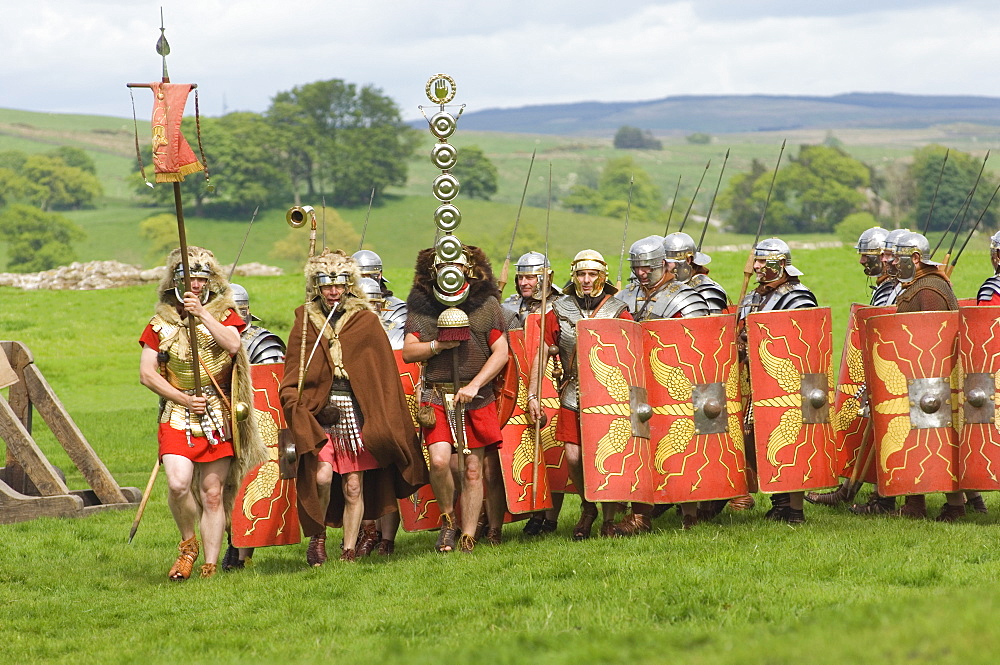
[(612, 194), (633, 138), (699, 138), (294, 246), (37, 240), (64, 187), (341, 140), (160, 231), (15, 187), (75, 157), (957, 181), (852, 226), (476, 174)]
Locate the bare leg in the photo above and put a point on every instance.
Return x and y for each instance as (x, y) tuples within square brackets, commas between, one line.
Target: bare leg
[(324, 478), (472, 490), (354, 506), (442, 481), (557, 502), (574, 463), (955, 498), (213, 514), (795, 500), (388, 524), (180, 471)]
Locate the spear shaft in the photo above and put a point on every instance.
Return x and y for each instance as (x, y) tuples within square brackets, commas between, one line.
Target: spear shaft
[(973, 230), (542, 359), (748, 268), (927, 224), (628, 209), (672, 202), (505, 272), (364, 230), (242, 245), (696, 190), (712, 204), (962, 208)]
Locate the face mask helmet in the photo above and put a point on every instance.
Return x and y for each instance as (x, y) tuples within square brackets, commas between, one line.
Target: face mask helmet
[(242, 299), (777, 258), (680, 249), (200, 266)]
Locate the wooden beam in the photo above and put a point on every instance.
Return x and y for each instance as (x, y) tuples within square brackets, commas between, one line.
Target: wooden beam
[(26, 452)]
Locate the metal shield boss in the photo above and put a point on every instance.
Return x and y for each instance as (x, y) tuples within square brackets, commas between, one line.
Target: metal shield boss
[(522, 462), (791, 380), (978, 390), (851, 412), (910, 364), (696, 432), (614, 411), (264, 510)]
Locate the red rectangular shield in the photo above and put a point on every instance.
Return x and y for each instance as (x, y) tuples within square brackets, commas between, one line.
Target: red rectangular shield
[(978, 398)]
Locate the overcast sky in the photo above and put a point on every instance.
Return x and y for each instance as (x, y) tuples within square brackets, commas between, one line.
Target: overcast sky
[(75, 56)]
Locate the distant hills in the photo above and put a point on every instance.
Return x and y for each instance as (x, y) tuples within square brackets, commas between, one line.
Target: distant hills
[(739, 113)]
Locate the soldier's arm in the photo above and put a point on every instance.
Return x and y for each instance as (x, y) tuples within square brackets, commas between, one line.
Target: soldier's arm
[(492, 367), (226, 337), (151, 378)]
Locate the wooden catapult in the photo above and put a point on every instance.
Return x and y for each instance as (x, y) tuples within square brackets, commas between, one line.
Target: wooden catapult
[(30, 486)]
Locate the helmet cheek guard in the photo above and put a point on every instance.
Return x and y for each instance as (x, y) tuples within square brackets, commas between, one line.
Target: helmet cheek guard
[(872, 264)]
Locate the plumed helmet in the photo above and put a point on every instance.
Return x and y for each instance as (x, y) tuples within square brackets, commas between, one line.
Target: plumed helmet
[(532, 263), (910, 242), (369, 263), (589, 259), (202, 263), (872, 241), (647, 252), (776, 249), (332, 267)]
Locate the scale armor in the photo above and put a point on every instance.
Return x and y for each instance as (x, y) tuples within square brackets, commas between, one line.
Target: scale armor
[(886, 293), (990, 288), (666, 302), (263, 346), (711, 291), (568, 312), (790, 295)]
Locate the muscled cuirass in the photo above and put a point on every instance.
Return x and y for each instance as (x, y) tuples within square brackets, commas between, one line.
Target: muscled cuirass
[(669, 300), (180, 374), (711, 291), (568, 311)]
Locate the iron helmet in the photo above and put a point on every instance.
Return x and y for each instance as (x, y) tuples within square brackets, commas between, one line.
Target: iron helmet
[(870, 246), (679, 248), (887, 252), (372, 290), (242, 299), (995, 251), (589, 259), (905, 246), (369, 263), (648, 253), (773, 251), (533, 263)]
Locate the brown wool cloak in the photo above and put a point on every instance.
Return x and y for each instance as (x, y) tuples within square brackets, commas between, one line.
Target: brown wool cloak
[(388, 431)]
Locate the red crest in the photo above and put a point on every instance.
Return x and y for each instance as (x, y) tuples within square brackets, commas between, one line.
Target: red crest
[(614, 440), (978, 398), (264, 511), (791, 377), (909, 362), (696, 432)]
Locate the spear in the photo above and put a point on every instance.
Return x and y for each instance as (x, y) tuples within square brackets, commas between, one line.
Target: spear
[(628, 209), (364, 230), (696, 190), (505, 272), (963, 208), (542, 360), (672, 202), (968, 206), (712, 204), (971, 232), (240, 253), (927, 224), (748, 268)]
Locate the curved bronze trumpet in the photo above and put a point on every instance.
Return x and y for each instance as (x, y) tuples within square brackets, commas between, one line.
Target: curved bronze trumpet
[(296, 218)]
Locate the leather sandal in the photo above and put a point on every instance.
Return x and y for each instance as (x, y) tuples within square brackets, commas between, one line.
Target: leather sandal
[(876, 505), (739, 503), (633, 525), (533, 527), (549, 526), (609, 529), (386, 547), (185, 562), (978, 504), (466, 543), (588, 513), (780, 505), (493, 536), (914, 506), (349, 555), (368, 539), (208, 570), (689, 521), (316, 552), (950, 513), (834, 498), (447, 534)]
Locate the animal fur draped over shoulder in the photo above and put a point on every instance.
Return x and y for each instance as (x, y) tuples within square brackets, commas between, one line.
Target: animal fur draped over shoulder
[(482, 284)]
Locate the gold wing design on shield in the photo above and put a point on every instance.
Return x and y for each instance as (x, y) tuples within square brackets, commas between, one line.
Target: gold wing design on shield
[(781, 369)]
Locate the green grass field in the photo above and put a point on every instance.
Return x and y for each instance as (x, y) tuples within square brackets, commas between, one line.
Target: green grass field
[(740, 590)]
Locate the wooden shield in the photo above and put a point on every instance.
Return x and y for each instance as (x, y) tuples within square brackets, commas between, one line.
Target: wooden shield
[(978, 392), (909, 362), (791, 378), (849, 426), (521, 461), (614, 429), (264, 511), (696, 431)]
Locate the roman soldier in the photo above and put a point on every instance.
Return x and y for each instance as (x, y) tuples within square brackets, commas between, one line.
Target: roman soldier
[(263, 347), (656, 292), (202, 458), (778, 288), (457, 406), (346, 410), (989, 292), (680, 248), (588, 296), (925, 288), (527, 281)]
